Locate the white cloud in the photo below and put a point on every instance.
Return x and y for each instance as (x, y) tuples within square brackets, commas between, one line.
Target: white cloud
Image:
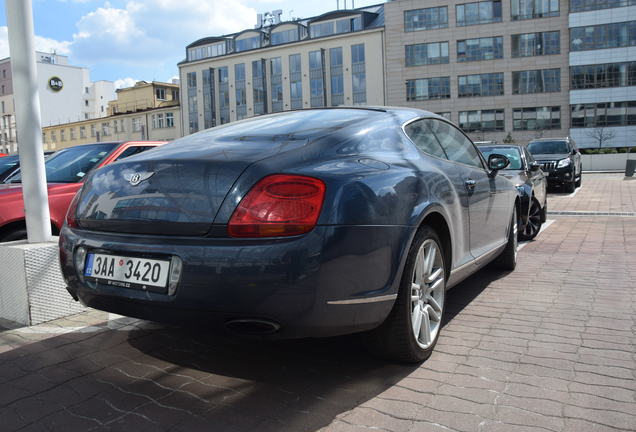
[(41, 44), (154, 31), (125, 82)]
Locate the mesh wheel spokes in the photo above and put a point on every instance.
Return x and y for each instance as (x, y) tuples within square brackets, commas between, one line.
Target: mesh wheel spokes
[(427, 293)]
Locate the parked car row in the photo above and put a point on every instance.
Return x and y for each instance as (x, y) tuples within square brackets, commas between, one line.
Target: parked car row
[(308, 223)]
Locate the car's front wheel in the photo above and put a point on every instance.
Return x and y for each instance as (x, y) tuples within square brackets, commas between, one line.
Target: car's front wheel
[(411, 330)]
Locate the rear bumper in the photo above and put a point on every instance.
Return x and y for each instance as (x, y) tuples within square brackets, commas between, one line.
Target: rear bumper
[(319, 284)]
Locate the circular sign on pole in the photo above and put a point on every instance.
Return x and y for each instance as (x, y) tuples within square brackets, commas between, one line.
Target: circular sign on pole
[(55, 84)]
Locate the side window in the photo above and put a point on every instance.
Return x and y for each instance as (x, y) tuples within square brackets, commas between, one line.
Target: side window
[(529, 157), (455, 144), (133, 150), (420, 133)]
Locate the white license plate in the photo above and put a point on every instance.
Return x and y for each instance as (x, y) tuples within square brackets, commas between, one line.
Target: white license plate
[(127, 270)]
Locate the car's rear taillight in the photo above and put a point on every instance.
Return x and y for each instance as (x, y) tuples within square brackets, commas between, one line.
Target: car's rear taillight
[(278, 205), (71, 213)]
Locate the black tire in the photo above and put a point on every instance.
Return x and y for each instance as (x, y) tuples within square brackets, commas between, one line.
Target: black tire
[(394, 339), (19, 234), (544, 212), (578, 182), (570, 187), (535, 220), (507, 259)]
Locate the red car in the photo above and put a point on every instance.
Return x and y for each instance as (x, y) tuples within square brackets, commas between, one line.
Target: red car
[(65, 171)]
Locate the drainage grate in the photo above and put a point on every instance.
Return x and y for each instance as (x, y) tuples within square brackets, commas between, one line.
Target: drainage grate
[(591, 213)]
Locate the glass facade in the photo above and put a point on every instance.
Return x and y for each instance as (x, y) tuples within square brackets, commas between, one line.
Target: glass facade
[(602, 36), (603, 75), (284, 36), (344, 25), (603, 114), (426, 54), (335, 73), (536, 81), (358, 74), (316, 79), (446, 115), (209, 112), (276, 71), (483, 12), (482, 121), (295, 81), (214, 50), (529, 9), (488, 48), (224, 95), (241, 96), (247, 43), (259, 83), (536, 44), (536, 118), (587, 5), (428, 88), (489, 84), (426, 19), (193, 110)]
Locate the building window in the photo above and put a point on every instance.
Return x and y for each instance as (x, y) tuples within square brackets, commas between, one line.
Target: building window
[(136, 124), (482, 121), (336, 78), (529, 9), (116, 126), (193, 110), (214, 50), (53, 136), (93, 130), (488, 48), (4, 73), (73, 137), (295, 81), (489, 84), (284, 36), (446, 115), (426, 54), (209, 112), (121, 126), (86, 91), (587, 5), (2, 88), (82, 132), (276, 70), (483, 12), (241, 95), (428, 88), (85, 102), (536, 118), (536, 44), (224, 95), (603, 75), (321, 29), (43, 137), (603, 114), (169, 120), (316, 79), (348, 25), (358, 74), (161, 93), (157, 121), (3, 110), (105, 129), (259, 81), (603, 36), (426, 19), (62, 134), (536, 81), (247, 43)]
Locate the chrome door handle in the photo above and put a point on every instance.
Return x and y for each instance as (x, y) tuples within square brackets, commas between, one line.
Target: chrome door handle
[(470, 185)]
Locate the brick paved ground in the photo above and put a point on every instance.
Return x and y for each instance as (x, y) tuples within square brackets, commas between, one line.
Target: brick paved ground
[(601, 193), (549, 347)]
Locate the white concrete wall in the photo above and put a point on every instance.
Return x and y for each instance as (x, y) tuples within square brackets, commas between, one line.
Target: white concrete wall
[(609, 55), (605, 162), (616, 94), (625, 136), (65, 105)]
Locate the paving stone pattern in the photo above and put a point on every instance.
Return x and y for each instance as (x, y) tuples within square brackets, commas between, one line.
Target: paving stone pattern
[(548, 347)]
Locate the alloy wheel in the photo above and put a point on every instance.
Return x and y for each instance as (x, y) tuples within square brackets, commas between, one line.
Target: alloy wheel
[(427, 293), (534, 220)]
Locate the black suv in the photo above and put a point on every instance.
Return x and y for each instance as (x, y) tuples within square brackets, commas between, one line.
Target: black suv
[(559, 159)]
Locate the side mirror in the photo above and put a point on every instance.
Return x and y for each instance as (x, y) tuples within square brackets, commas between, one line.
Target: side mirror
[(497, 162), (534, 166), (573, 151)]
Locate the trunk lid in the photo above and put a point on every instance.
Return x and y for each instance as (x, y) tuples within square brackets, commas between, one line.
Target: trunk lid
[(176, 189)]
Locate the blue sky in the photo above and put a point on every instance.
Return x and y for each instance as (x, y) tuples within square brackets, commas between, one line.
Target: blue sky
[(127, 40)]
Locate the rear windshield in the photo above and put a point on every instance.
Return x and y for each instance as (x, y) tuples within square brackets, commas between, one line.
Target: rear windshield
[(512, 153), (548, 147), (71, 165)]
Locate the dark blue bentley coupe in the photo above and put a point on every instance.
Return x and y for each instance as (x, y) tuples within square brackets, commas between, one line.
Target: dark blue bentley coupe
[(307, 223)]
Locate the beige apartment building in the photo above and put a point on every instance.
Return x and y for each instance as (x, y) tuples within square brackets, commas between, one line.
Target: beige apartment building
[(330, 60), (493, 67), (146, 111)]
